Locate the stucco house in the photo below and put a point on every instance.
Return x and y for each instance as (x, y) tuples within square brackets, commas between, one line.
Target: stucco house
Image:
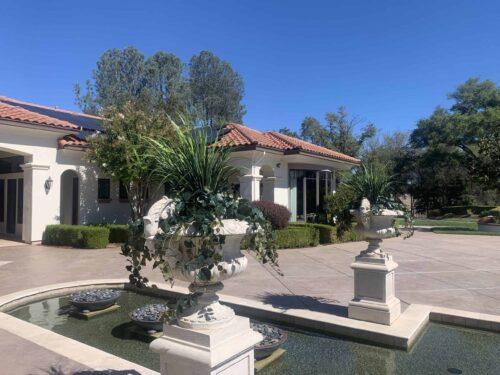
[(45, 179)]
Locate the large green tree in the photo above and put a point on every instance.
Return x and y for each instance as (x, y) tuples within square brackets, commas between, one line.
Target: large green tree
[(338, 133), (216, 90), (469, 130), (207, 92)]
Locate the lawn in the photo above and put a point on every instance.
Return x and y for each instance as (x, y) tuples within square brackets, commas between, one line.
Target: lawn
[(451, 226)]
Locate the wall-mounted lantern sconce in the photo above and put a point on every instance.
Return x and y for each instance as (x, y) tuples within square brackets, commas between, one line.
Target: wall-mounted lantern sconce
[(278, 165), (48, 184)]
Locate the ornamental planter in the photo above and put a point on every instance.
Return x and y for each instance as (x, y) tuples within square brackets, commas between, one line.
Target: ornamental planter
[(207, 336), (374, 270), (274, 338), (94, 299), (149, 317)]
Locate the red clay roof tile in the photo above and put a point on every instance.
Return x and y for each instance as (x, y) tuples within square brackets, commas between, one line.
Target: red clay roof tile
[(71, 140)]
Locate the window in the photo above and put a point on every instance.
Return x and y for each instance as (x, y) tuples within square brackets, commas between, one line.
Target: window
[(123, 192), (2, 200), (104, 189), (20, 200)]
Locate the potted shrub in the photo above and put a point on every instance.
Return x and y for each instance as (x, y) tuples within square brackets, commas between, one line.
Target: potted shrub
[(195, 234)]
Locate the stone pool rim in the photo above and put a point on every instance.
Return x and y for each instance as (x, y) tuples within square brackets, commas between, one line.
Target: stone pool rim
[(401, 335)]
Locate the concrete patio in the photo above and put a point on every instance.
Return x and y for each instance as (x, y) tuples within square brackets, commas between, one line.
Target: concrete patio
[(461, 272)]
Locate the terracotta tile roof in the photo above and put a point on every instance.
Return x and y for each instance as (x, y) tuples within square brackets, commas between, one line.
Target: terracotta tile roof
[(71, 140), (15, 113), (240, 135), (57, 116)]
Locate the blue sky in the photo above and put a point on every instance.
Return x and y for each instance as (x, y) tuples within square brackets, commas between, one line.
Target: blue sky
[(390, 62)]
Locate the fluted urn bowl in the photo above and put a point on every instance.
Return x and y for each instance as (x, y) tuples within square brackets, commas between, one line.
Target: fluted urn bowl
[(205, 281), (94, 299), (233, 261)]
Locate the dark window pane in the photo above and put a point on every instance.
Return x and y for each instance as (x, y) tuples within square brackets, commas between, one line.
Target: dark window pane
[(103, 188), (123, 191), (2, 200), (20, 200)]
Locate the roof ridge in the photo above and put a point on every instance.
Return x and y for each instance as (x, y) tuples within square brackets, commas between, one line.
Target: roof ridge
[(2, 98), (282, 137), (237, 127)]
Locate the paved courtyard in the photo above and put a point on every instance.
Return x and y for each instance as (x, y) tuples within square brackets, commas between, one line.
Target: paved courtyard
[(454, 271)]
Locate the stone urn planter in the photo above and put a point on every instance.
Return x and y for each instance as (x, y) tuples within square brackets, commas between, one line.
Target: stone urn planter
[(94, 299), (207, 312), (374, 284), (149, 317), (274, 338)]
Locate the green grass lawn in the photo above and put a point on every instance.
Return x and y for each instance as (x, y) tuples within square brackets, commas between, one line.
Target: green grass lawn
[(451, 226), (466, 223)]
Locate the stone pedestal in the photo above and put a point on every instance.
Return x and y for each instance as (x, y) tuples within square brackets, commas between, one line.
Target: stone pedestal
[(225, 350), (374, 287)]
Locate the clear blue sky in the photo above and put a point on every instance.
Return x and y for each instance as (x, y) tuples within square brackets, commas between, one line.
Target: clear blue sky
[(391, 62)]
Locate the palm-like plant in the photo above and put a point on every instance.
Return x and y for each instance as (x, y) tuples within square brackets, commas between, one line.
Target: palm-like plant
[(373, 184), (187, 166)]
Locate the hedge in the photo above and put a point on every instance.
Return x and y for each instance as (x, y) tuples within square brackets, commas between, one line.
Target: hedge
[(327, 233), (297, 236), (466, 210), (118, 233), (80, 236)]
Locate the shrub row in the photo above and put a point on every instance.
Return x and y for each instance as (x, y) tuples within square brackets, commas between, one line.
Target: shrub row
[(459, 210), (118, 233), (327, 233), (297, 236), (81, 236)]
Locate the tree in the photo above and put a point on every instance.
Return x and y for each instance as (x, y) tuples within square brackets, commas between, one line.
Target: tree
[(211, 93), (289, 132), (469, 128), (337, 134), (216, 90), (122, 149)]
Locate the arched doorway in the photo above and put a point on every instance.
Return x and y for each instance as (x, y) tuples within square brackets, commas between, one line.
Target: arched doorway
[(70, 200), (267, 183)]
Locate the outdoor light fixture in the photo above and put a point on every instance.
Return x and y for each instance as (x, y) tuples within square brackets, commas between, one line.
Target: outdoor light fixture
[(48, 184), (278, 165)]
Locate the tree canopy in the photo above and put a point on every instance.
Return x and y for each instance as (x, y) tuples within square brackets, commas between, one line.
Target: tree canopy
[(207, 90)]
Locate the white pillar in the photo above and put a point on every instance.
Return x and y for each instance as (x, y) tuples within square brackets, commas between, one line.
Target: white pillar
[(226, 350), (250, 187), (37, 210), (268, 184), (334, 182)]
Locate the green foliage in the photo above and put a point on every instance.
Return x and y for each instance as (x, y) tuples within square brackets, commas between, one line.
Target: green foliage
[(196, 176), (118, 233), (121, 150), (216, 90), (80, 236), (327, 233), (337, 134), (210, 92), (296, 237), (434, 212), (338, 205), (466, 210)]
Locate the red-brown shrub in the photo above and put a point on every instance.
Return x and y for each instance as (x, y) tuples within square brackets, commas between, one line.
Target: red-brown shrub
[(278, 215)]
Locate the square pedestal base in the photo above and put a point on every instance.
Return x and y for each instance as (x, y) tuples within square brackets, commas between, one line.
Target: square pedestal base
[(227, 350), (375, 312)]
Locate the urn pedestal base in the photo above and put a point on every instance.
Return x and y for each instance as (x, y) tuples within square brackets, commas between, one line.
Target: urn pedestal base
[(225, 350), (374, 289)]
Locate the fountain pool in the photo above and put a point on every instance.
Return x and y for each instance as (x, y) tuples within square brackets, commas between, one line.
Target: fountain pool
[(441, 349)]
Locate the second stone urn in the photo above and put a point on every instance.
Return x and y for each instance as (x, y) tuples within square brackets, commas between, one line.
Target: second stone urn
[(374, 270)]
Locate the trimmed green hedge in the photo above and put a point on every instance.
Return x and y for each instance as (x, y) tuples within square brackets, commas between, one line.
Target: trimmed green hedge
[(80, 236), (327, 233), (466, 210), (297, 236), (118, 233)]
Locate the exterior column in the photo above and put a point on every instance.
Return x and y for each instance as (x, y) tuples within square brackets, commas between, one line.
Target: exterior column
[(334, 182), (250, 187), (268, 184), (37, 210)]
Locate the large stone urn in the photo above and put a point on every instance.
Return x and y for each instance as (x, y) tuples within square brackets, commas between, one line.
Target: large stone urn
[(208, 337), (374, 270)]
